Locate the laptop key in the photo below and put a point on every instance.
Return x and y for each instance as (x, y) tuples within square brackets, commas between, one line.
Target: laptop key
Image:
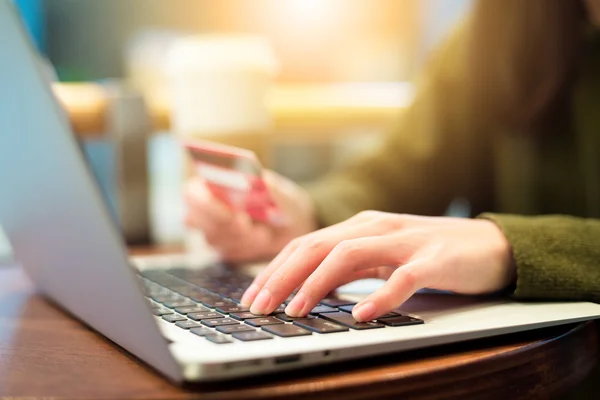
[(258, 322), (202, 297), (202, 331), (218, 339), (400, 320), (178, 303), (236, 297), (320, 325), (205, 315), (397, 312), (161, 311), (232, 309), (173, 318), (288, 299), (159, 298), (243, 315), (348, 308), (187, 324), (251, 336), (346, 319), (334, 302), (322, 309), (218, 322), (279, 310), (286, 330), (217, 302), (228, 329), (191, 310), (287, 318), (178, 288)]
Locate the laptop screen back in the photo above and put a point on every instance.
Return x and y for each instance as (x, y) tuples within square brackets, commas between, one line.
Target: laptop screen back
[(52, 212)]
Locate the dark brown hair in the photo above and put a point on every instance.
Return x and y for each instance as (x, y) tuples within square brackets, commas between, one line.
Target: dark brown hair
[(522, 55)]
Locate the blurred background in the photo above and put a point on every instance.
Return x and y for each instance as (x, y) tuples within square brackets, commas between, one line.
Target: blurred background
[(315, 40), (341, 76)]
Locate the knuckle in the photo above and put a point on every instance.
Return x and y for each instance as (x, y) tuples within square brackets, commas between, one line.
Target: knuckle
[(347, 249), (312, 244), (447, 257), (388, 222), (409, 277), (312, 281), (386, 295), (294, 243), (314, 290), (276, 280), (280, 283), (368, 214), (397, 221), (414, 237)]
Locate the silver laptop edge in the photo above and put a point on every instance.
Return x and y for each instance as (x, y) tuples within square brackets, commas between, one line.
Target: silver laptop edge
[(63, 235), (66, 241)]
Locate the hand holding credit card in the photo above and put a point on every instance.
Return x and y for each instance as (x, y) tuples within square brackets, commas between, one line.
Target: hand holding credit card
[(234, 176)]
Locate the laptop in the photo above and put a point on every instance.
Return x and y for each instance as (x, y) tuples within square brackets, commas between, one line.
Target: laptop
[(185, 322)]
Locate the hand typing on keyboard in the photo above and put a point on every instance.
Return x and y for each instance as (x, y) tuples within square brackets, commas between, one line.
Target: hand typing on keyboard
[(461, 255), (205, 302)]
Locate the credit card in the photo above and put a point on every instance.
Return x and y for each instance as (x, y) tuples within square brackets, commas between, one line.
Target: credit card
[(234, 176)]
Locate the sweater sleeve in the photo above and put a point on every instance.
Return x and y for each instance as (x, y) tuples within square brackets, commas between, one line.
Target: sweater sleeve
[(557, 257), (435, 153)]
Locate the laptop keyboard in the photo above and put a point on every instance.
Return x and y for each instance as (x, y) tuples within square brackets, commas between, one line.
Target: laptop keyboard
[(206, 303)]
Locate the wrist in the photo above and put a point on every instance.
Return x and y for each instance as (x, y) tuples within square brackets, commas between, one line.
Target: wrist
[(503, 254)]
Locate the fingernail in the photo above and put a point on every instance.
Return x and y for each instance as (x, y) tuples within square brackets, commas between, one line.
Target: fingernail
[(249, 295), (296, 305), (364, 312), (261, 302)]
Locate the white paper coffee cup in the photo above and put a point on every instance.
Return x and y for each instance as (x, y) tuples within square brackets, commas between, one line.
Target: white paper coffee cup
[(218, 86)]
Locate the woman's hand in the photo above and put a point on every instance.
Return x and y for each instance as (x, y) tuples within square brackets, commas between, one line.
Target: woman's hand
[(461, 255), (234, 235)]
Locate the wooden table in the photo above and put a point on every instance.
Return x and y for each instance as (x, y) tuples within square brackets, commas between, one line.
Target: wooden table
[(46, 354)]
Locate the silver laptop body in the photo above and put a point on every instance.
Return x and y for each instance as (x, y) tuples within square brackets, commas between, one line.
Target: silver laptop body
[(63, 236)]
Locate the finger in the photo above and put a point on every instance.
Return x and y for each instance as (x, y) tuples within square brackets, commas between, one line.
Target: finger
[(203, 207), (347, 257), (401, 285), (310, 252)]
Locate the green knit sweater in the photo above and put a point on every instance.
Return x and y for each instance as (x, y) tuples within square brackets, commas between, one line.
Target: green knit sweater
[(441, 150)]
